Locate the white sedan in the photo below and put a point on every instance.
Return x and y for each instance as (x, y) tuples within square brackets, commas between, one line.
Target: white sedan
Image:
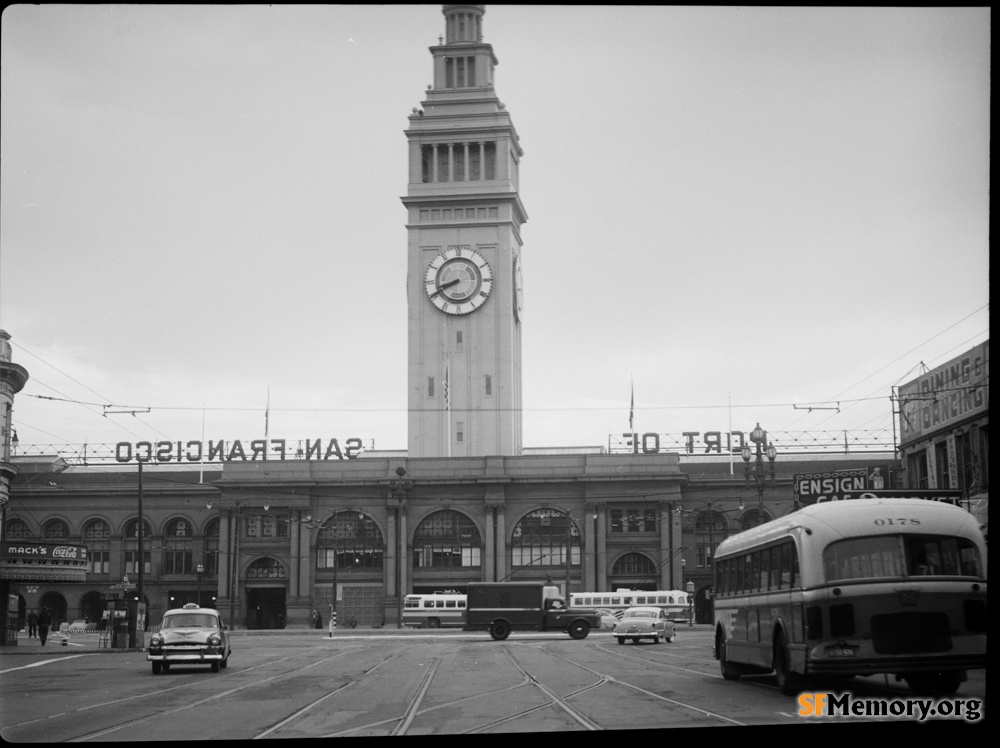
[(644, 623), (608, 618)]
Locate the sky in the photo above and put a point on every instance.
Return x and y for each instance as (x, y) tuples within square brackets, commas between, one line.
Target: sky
[(735, 216)]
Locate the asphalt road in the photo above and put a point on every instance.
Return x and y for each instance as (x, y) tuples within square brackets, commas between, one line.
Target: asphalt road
[(308, 684)]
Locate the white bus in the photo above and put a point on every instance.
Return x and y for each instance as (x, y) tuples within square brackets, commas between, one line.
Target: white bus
[(855, 587), (434, 610), (675, 602)]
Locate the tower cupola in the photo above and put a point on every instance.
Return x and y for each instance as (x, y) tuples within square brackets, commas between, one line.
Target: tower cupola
[(463, 23)]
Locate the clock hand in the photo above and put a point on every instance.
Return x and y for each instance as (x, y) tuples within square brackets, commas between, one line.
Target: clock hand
[(449, 283)]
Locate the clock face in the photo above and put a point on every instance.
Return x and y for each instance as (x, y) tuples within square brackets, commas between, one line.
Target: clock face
[(518, 290), (458, 280)]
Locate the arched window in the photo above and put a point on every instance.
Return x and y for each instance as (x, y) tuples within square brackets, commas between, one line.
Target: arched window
[(710, 529), (18, 528), (56, 530), (177, 550), (753, 517), (212, 547), (634, 563), (97, 536), (132, 547), (266, 568), (541, 539), (348, 541), (447, 539)]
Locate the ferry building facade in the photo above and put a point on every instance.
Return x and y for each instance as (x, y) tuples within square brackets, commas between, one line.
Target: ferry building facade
[(269, 535)]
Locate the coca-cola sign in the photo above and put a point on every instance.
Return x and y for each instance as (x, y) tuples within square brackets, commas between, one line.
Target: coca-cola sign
[(43, 551)]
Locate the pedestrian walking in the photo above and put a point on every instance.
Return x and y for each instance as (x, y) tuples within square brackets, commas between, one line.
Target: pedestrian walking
[(44, 621), (317, 620), (32, 624)]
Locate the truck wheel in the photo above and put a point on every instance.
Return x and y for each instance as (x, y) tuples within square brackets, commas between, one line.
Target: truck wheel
[(499, 630), (579, 629)]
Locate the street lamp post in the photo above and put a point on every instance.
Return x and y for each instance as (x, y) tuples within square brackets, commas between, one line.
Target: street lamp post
[(758, 471), (690, 591)]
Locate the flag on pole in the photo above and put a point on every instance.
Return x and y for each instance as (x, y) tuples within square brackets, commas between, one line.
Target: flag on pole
[(631, 409)]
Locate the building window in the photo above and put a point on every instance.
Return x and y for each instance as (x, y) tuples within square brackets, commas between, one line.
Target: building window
[(266, 526), (350, 541), (460, 432), (177, 551), (97, 536), (544, 538), (266, 568), (753, 518), (17, 528), (447, 538), (942, 465), (916, 469), (446, 162), (634, 563), (710, 529), (55, 530), (629, 520), (132, 547), (212, 547)]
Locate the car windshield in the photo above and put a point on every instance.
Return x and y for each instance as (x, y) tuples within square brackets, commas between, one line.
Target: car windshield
[(640, 613), (186, 620)]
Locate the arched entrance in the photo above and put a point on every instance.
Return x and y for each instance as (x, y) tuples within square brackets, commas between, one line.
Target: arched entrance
[(92, 607), (266, 608), (56, 604)]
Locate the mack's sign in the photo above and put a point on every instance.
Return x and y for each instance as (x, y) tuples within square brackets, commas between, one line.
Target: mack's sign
[(223, 451), (43, 551)]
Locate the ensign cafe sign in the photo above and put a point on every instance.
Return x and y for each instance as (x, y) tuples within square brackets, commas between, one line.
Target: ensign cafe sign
[(222, 451)]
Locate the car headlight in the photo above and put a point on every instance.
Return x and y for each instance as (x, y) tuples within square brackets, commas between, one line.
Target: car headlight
[(156, 641), (215, 640)]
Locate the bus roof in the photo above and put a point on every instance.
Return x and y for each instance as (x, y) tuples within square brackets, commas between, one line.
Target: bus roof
[(856, 517)]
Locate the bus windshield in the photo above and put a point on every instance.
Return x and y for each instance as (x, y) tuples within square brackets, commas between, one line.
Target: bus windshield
[(901, 556)]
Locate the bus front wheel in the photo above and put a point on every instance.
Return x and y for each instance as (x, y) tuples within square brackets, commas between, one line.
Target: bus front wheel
[(729, 670)]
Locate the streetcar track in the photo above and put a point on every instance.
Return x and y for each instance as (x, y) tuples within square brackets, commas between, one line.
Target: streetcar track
[(199, 702)]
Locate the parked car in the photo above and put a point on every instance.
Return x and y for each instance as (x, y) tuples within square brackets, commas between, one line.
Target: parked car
[(608, 618), (644, 623), (189, 636), (81, 625)]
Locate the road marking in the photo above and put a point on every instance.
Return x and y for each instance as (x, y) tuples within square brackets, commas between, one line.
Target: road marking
[(42, 662)]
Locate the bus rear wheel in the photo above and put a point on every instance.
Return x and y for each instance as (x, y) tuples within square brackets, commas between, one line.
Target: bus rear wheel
[(940, 683), (789, 683)]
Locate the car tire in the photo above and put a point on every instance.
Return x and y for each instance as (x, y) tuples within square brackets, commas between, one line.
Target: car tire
[(157, 668), (166, 667), (621, 639), (668, 639), (225, 663), (656, 640), (635, 640), (216, 666)]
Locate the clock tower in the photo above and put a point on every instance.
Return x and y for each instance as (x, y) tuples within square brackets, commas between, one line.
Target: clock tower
[(464, 219)]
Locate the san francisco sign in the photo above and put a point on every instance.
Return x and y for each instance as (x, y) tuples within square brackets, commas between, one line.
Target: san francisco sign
[(223, 451)]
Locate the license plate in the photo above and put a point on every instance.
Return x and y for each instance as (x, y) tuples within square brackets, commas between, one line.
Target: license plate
[(841, 652)]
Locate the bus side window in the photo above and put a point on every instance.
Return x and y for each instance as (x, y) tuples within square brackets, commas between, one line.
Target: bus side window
[(775, 568), (765, 569)]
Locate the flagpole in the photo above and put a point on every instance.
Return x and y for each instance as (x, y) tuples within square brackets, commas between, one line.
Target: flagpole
[(267, 415)]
